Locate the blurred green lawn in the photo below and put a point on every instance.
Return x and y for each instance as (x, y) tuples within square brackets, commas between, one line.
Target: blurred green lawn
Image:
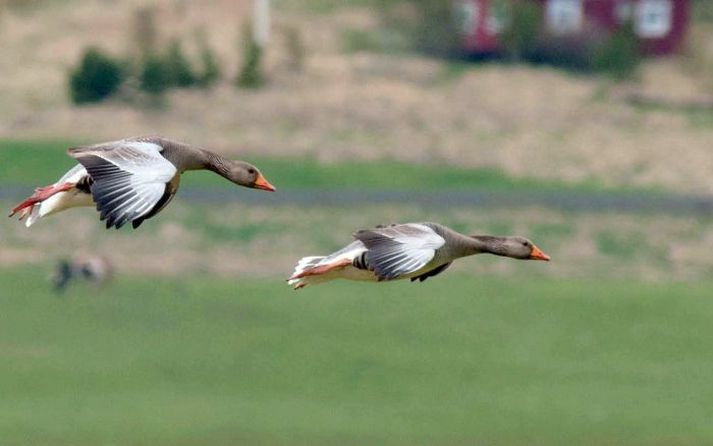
[(455, 360), (44, 162)]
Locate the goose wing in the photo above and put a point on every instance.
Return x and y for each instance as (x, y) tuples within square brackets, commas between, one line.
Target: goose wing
[(130, 178), (397, 250)]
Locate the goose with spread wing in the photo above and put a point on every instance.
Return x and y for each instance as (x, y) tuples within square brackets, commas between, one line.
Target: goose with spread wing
[(131, 180), (413, 251)]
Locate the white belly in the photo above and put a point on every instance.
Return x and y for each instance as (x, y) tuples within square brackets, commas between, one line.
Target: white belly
[(65, 200)]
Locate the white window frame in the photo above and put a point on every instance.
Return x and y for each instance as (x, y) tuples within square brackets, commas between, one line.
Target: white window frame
[(564, 16), (654, 18)]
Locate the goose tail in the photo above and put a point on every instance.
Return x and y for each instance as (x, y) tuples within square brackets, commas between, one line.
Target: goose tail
[(298, 280), (54, 198), (48, 200)]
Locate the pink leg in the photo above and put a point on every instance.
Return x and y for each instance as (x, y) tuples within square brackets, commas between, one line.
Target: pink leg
[(40, 195)]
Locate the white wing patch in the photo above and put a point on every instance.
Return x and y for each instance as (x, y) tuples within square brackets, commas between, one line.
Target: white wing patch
[(351, 251), (129, 179), (73, 175), (398, 250)]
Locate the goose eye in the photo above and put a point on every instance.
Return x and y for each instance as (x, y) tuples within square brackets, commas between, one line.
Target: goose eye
[(251, 171)]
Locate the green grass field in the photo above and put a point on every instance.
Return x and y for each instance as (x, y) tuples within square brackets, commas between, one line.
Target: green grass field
[(456, 360), (43, 162)]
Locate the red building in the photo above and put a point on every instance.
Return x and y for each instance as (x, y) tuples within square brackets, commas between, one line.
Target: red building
[(659, 24)]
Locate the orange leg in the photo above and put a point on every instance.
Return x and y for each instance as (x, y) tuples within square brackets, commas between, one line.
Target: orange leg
[(40, 195)]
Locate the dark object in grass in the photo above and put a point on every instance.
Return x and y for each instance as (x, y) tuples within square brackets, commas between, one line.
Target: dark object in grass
[(95, 270)]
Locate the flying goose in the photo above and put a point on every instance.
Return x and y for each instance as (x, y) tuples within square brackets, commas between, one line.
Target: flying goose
[(131, 180), (413, 251)]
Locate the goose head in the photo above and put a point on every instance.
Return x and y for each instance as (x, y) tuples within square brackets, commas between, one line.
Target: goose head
[(247, 175), (515, 247)]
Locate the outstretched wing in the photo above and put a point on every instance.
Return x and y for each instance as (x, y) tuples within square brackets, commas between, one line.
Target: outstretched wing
[(394, 251), (130, 178)]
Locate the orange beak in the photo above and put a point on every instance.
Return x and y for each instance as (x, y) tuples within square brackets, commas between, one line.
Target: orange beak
[(536, 254), (262, 183)]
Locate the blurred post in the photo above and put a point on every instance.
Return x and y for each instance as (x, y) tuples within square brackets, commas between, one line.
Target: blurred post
[(261, 22)]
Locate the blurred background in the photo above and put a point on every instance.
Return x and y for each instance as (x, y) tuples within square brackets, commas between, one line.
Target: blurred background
[(584, 125)]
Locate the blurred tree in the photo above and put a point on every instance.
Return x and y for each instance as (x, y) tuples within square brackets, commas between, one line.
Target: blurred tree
[(703, 10), (211, 68), (210, 72), (618, 55), (97, 77), (519, 38), (178, 67), (436, 28), (154, 77), (430, 26), (251, 75)]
